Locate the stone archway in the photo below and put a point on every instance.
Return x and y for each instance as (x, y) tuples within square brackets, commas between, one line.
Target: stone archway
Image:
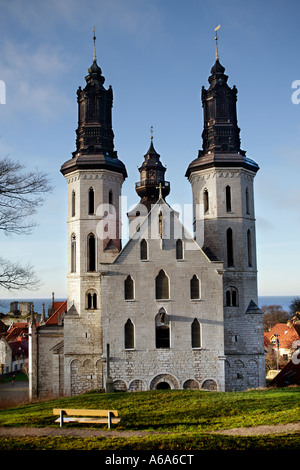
[(163, 386), (167, 381)]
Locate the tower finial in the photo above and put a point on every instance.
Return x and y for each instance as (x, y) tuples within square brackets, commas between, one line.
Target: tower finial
[(216, 38), (94, 39), (151, 131)]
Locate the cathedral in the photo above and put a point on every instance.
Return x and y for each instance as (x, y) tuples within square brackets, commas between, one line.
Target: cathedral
[(168, 309)]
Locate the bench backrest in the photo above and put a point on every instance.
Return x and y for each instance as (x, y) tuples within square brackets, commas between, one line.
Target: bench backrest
[(72, 412)]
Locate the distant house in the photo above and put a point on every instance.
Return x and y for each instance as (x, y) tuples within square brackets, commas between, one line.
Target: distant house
[(14, 348), (282, 337)]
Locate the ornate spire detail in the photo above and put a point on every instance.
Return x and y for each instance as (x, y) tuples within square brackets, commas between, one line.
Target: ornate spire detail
[(221, 134), (94, 134), (152, 184)]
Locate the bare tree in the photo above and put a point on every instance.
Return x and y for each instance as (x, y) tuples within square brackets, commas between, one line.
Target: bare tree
[(21, 195)]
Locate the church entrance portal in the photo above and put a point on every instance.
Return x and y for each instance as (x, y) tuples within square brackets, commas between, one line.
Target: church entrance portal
[(163, 386)]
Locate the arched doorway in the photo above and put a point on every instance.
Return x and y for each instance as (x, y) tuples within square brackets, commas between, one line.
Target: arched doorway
[(163, 386)]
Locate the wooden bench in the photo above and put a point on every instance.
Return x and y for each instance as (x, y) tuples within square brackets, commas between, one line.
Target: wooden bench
[(67, 415)]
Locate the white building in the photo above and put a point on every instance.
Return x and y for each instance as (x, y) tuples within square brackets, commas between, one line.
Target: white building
[(177, 311)]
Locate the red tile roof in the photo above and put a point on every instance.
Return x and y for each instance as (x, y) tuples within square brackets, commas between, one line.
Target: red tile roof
[(17, 329), (61, 308), (286, 335)]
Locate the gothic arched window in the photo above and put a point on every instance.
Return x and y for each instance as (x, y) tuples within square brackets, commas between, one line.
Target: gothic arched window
[(228, 198), (195, 288), (73, 203), (144, 250), (110, 202), (91, 251), (179, 249), (129, 288), (129, 334), (73, 253), (162, 329), (247, 202), (162, 286), (91, 207), (196, 334), (229, 245), (205, 201)]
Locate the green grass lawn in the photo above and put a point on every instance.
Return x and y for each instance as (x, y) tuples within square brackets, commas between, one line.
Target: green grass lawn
[(185, 417)]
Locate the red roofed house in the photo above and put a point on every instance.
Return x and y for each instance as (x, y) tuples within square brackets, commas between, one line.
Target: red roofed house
[(14, 348), (286, 334)]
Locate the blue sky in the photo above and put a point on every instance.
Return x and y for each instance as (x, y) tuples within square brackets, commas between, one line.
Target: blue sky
[(156, 55)]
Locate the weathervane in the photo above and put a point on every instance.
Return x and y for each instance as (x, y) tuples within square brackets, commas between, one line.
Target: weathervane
[(94, 39), (216, 38)]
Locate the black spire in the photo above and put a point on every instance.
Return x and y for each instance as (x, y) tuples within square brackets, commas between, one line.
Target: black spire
[(152, 182), (94, 135), (221, 134)]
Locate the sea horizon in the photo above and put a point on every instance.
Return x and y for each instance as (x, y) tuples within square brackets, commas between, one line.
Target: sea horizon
[(282, 300)]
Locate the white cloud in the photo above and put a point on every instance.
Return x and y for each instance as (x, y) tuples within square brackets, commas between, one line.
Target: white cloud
[(33, 78)]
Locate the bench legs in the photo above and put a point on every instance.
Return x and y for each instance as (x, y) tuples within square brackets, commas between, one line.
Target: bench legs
[(61, 417)]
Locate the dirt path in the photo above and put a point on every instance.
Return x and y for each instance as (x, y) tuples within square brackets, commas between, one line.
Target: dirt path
[(72, 432)]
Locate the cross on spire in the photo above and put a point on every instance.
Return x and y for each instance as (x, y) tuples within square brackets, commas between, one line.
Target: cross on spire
[(216, 38)]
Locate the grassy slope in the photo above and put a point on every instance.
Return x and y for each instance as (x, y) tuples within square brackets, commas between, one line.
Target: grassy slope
[(188, 417)]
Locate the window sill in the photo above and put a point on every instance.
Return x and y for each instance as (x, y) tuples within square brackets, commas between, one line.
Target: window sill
[(163, 300), (129, 300)]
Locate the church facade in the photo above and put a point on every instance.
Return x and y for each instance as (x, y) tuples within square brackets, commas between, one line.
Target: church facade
[(169, 309)]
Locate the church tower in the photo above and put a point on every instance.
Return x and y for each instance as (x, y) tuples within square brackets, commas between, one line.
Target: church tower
[(94, 177), (222, 180), (152, 179)]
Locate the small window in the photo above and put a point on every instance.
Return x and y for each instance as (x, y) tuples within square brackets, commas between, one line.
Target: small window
[(129, 288), (73, 253), (229, 243), (110, 202), (249, 248), (73, 203), (91, 201), (232, 297), (196, 336), (129, 334), (228, 198), (162, 286), (205, 201), (195, 288), (91, 300), (247, 202), (162, 330), (144, 250), (179, 249), (91, 253)]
